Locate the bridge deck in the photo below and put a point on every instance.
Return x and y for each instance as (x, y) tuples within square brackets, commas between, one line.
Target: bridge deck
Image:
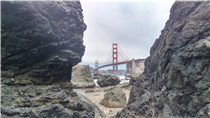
[(119, 63)]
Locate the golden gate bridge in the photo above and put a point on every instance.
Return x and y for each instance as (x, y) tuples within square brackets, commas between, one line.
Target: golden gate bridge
[(118, 57)]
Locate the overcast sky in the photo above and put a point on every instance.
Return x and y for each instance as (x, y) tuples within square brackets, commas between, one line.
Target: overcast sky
[(134, 26)]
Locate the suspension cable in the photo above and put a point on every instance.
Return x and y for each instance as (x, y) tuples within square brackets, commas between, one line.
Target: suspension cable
[(108, 57), (123, 52), (122, 56)]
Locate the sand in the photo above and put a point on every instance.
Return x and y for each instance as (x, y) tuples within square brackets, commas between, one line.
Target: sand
[(98, 95)]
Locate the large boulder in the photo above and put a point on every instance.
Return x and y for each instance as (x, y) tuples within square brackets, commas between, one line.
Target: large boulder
[(75, 67), (135, 73), (40, 43), (108, 80), (176, 78), (82, 78), (114, 98)]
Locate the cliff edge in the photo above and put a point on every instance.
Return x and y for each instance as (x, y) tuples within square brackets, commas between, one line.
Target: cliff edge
[(176, 79), (40, 43)]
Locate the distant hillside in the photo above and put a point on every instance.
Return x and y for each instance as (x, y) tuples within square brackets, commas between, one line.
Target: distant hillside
[(122, 70)]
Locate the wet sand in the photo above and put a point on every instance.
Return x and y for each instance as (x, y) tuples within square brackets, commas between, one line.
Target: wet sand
[(98, 95)]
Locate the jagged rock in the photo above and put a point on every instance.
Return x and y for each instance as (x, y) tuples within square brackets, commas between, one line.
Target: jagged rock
[(176, 77), (108, 89), (40, 41), (82, 78), (136, 72), (75, 67), (114, 98), (40, 101), (108, 80)]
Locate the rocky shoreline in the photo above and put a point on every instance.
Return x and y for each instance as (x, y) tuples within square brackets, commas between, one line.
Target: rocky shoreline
[(97, 94), (42, 41)]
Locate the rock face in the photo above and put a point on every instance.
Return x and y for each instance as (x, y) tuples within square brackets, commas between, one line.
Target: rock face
[(176, 78), (75, 67), (108, 80), (114, 98), (82, 78), (136, 72), (41, 101), (40, 43)]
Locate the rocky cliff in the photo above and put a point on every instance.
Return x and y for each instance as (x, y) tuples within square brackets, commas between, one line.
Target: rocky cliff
[(176, 79), (40, 43)]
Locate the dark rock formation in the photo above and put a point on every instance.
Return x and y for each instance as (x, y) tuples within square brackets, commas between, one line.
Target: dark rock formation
[(176, 78), (114, 98), (82, 78), (41, 101), (40, 43), (108, 80)]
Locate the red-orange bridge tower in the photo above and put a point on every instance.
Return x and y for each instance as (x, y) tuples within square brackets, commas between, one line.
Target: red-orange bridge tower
[(115, 62)]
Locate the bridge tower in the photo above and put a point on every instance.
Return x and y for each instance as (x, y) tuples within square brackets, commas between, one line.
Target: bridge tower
[(96, 66), (115, 57)]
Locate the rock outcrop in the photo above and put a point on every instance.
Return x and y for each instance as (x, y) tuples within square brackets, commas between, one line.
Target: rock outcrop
[(136, 72), (176, 78), (82, 78), (114, 98), (108, 80), (41, 101), (40, 43), (75, 67)]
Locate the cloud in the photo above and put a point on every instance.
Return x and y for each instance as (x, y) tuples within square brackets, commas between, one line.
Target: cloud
[(133, 25)]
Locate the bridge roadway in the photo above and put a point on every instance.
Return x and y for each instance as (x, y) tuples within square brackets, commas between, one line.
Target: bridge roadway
[(119, 63)]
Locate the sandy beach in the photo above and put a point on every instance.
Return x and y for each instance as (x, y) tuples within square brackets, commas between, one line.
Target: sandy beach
[(98, 95)]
